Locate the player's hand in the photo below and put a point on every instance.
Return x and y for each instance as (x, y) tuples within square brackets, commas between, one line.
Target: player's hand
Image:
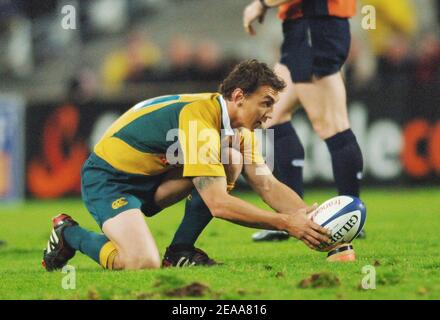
[(312, 234), (312, 208), (308, 210), (252, 12)]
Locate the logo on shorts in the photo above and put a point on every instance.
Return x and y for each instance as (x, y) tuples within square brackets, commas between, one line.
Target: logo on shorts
[(119, 203)]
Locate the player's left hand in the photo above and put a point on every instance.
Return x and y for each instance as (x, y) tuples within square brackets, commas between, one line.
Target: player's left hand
[(312, 208), (301, 227), (252, 12), (308, 210)]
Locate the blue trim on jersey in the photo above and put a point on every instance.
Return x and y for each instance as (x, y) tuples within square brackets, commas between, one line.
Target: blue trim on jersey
[(154, 101)]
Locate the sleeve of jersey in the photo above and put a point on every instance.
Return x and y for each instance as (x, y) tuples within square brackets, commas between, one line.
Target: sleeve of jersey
[(200, 142), (250, 147)]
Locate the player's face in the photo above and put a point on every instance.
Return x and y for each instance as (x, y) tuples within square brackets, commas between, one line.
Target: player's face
[(257, 108)]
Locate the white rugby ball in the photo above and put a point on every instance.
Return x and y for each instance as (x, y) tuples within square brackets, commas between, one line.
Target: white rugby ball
[(344, 216)]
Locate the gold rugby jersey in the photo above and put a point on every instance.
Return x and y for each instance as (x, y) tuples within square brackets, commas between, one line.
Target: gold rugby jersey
[(159, 133)]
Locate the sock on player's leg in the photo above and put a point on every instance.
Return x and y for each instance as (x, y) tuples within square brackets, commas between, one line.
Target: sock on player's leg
[(96, 246), (342, 253), (347, 162), (107, 255), (196, 218), (289, 157)]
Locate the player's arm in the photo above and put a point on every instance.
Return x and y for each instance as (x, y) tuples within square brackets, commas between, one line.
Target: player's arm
[(273, 192), (256, 10), (227, 207)]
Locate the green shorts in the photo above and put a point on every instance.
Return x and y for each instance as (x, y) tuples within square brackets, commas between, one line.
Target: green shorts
[(107, 191)]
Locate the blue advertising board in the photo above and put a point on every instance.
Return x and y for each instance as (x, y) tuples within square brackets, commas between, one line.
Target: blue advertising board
[(12, 126)]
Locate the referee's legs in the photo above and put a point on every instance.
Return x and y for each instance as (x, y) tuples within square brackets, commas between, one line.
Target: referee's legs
[(325, 102)]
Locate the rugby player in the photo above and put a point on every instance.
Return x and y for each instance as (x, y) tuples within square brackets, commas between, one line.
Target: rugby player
[(315, 47), (162, 149)]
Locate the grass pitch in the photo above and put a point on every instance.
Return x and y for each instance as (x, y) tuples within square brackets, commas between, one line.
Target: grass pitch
[(403, 246)]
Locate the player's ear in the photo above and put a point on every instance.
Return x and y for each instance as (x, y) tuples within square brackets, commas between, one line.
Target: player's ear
[(238, 96)]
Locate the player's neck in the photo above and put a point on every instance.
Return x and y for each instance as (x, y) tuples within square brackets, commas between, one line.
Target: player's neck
[(233, 114)]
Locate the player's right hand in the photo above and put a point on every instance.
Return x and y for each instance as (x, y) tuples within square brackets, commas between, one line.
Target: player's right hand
[(252, 12), (302, 228)]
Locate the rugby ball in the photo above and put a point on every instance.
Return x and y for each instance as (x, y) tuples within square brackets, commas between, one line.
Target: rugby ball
[(344, 216)]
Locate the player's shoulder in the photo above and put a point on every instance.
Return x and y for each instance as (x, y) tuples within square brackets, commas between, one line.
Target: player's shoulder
[(201, 98), (202, 103)]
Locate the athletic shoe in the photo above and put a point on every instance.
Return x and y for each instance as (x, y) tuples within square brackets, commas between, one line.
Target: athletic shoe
[(270, 235), (186, 257), (58, 252)]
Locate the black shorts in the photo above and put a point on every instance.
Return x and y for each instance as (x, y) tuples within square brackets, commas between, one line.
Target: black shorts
[(315, 46)]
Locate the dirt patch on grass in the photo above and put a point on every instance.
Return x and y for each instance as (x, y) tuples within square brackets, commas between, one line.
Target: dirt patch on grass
[(241, 292), (268, 267), (389, 279), (422, 291), (145, 295), (195, 289), (92, 294), (320, 280)]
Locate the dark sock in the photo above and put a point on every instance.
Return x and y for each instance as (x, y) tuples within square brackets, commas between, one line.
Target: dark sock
[(88, 242), (289, 157), (196, 218), (347, 162)]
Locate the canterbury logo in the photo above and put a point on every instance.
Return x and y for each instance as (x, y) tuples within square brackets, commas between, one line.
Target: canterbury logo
[(119, 203)]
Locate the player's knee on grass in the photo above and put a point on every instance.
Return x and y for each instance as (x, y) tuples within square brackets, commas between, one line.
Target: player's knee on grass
[(136, 258), (137, 261), (128, 260), (234, 167), (133, 241)]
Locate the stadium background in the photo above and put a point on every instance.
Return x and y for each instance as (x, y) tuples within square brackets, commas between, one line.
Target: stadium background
[(75, 82), (61, 88)]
